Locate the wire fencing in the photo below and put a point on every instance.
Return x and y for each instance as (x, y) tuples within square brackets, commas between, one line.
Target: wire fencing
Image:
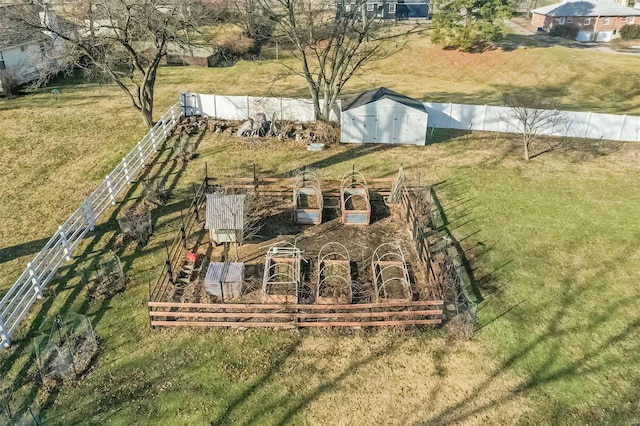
[(16, 303)]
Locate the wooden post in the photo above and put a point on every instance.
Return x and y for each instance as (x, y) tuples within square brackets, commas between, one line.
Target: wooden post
[(183, 231), (168, 262), (195, 201), (255, 178)]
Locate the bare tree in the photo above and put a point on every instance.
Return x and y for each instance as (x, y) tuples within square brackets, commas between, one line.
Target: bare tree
[(532, 117), (333, 41), (122, 41)]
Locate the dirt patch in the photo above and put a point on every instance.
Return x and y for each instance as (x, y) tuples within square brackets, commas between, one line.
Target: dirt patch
[(106, 286), (67, 362)]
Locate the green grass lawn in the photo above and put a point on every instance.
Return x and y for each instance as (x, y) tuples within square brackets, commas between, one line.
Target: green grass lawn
[(553, 243)]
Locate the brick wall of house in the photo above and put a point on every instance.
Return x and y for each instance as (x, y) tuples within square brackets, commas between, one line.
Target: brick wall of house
[(615, 22)]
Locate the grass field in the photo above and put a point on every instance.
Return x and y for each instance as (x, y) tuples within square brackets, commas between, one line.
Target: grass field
[(553, 243)]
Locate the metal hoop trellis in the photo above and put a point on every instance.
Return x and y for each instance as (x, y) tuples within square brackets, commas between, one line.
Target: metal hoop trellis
[(334, 274), (281, 279), (390, 274), (306, 188), (354, 188)]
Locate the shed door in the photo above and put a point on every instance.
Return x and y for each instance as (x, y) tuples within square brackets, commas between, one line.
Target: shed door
[(408, 129), (364, 128)]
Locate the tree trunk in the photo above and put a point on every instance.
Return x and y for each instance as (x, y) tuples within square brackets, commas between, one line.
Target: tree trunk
[(315, 98), (526, 148), (146, 100), (326, 104), (147, 116)]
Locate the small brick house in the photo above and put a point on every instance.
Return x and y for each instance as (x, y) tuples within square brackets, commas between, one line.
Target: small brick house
[(595, 20)]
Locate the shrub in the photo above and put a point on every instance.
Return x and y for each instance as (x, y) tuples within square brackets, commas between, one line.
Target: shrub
[(8, 83), (630, 32), (564, 31)]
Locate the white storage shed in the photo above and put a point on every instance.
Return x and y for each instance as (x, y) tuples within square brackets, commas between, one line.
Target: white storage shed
[(383, 116)]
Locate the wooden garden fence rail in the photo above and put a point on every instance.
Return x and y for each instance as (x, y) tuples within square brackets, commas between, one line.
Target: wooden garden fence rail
[(40, 271), (168, 314)]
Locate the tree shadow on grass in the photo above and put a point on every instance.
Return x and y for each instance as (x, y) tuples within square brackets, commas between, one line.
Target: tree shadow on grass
[(543, 351), (88, 260)]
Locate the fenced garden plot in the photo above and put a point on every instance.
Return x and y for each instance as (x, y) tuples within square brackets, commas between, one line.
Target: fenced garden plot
[(291, 270)]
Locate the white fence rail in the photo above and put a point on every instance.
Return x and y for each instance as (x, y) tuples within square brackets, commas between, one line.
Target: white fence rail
[(245, 107), (40, 271), (586, 125)]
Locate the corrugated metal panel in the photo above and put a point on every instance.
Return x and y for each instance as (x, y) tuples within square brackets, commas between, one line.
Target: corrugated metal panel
[(225, 212), (231, 272)]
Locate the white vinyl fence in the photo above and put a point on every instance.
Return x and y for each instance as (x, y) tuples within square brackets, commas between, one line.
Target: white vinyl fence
[(245, 107), (40, 271), (586, 125)]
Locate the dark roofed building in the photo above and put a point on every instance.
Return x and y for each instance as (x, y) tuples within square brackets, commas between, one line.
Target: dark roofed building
[(383, 116)]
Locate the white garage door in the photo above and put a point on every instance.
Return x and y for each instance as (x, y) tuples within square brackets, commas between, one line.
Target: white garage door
[(408, 129), (603, 36), (364, 128), (584, 36)]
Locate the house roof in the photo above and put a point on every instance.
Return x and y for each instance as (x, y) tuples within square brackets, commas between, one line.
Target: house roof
[(225, 211), (378, 94), (586, 8)]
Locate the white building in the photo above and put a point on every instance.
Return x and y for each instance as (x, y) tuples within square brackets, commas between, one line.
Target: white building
[(383, 116)]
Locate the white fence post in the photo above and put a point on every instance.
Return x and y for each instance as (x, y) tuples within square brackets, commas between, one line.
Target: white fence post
[(126, 170), (164, 128), (89, 212), (586, 130), (4, 337), (110, 189), (65, 243), (624, 118), (141, 154), (35, 280), (484, 120), (154, 143)]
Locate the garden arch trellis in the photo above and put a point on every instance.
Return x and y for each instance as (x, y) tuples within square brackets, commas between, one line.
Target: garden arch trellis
[(307, 198), (390, 274), (281, 280), (334, 275), (354, 199)]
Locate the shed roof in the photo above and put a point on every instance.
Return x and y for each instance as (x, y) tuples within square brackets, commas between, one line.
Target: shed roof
[(586, 8), (378, 94), (225, 211)]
